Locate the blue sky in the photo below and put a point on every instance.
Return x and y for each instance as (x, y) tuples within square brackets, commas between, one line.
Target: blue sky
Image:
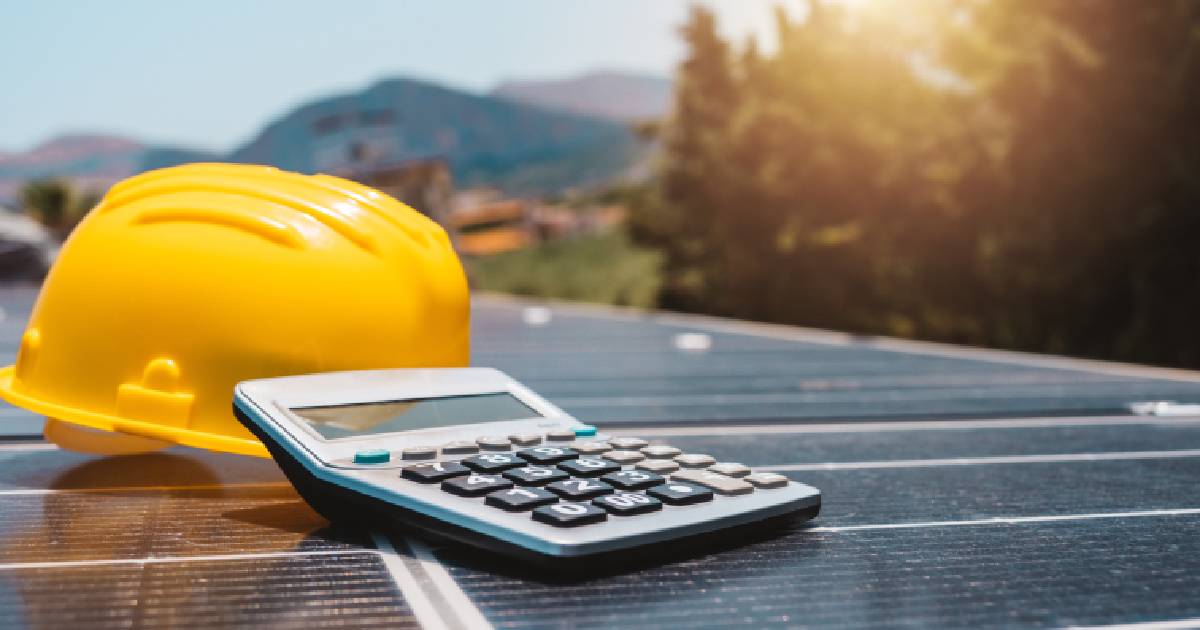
[(208, 74)]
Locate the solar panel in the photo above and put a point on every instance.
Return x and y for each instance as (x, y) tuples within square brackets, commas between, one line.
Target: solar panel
[(961, 487)]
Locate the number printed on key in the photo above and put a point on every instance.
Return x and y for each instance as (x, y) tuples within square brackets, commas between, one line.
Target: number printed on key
[(433, 471), (628, 503), (535, 475), (589, 466), (517, 499), (569, 514), (475, 484), (579, 488), (492, 462), (632, 479), (547, 454)]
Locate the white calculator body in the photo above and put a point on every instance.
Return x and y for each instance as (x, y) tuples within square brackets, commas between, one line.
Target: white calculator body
[(471, 454)]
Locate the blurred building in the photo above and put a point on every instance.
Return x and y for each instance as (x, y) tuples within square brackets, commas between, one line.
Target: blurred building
[(423, 184), (26, 247), (484, 222)]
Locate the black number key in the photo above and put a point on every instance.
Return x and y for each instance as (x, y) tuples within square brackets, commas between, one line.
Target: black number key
[(679, 493), (547, 454), (518, 499), (578, 489), (569, 514), (433, 471), (589, 466), (492, 462), (628, 503), (632, 479), (535, 475), (476, 485)]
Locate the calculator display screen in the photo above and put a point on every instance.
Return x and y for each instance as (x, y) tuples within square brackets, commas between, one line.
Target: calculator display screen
[(342, 421)]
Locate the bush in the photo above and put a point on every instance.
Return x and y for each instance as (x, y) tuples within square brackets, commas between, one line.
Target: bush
[(605, 268)]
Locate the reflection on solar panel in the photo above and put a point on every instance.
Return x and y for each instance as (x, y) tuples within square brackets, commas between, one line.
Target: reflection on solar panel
[(961, 487)]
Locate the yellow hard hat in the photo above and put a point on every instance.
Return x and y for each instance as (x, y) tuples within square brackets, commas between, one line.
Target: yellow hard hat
[(186, 280)]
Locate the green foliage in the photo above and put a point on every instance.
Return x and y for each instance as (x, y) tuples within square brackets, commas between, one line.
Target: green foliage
[(604, 268), (56, 205), (1018, 173)]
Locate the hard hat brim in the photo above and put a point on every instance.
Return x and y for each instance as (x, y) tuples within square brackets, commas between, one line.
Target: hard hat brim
[(105, 422)]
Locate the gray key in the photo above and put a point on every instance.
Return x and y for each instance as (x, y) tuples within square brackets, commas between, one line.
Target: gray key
[(627, 443), (767, 480), (525, 439), (592, 448), (695, 460), (660, 466), (624, 457), (659, 451), (459, 447), (561, 435), (493, 443), (731, 469), (418, 452), (720, 484)]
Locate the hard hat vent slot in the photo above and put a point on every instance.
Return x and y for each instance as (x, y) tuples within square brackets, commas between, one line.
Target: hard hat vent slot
[(330, 218), (266, 227)]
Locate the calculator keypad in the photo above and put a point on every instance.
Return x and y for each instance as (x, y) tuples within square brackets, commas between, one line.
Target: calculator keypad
[(730, 469), (525, 439), (716, 482), (582, 482), (624, 457), (659, 451), (535, 475), (460, 447), (695, 460), (493, 443), (520, 499), (569, 514), (419, 452), (767, 480), (493, 462), (547, 454), (628, 503), (679, 493), (577, 489), (628, 443), (434, 471), (591, 448), (589, 466), (561, 436), (475, 485), (632, 479), (660, 466)]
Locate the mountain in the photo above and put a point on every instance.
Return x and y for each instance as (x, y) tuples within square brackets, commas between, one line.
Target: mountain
[(484, 139), (618, 96), (90, 160)]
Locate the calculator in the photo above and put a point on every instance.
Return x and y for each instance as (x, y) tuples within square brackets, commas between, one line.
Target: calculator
[(473, 455)]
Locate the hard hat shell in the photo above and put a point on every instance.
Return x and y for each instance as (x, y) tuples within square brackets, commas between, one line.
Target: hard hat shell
[(186, 280)]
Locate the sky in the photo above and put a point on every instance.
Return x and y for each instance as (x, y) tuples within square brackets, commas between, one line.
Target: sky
[(209, 73)]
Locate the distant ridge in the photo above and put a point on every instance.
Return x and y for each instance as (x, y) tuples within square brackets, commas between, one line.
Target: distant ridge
[(92, 161), (612, 95), (486, 140)]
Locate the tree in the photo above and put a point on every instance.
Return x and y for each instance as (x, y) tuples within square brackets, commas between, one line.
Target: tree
[(56, 204), (1017, 173)]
